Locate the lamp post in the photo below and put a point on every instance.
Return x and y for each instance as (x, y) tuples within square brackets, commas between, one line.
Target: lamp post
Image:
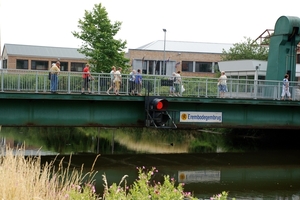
[(165, 30), (256, 80)]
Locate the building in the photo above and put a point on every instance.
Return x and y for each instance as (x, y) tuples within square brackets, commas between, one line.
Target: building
[(157, 58), (191, 58), (249, 69), (28, 57)]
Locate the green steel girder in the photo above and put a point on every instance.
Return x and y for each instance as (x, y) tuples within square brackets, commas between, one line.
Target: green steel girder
[(283, 48), (25, 109)]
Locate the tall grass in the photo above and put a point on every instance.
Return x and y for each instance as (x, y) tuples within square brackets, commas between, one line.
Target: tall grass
[(25, 178)]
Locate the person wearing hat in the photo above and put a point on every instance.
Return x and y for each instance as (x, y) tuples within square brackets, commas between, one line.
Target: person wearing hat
[(55, 69), (222, 84)]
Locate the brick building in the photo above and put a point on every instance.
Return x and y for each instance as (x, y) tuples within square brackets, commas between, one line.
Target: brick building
[(191, 58), (28, 57)]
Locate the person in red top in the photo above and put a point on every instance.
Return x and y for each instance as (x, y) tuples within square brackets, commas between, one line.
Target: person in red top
[(86, 77)]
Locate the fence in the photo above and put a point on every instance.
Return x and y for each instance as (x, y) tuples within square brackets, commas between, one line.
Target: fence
[(37, 81)]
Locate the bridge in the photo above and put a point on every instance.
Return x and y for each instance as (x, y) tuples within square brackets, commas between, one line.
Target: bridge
[(25, 100)]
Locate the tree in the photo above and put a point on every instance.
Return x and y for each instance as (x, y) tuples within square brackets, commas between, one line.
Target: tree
[(248, 49), (97, 33)]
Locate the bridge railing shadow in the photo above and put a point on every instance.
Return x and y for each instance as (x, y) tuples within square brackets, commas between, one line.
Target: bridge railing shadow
[(36, 81)]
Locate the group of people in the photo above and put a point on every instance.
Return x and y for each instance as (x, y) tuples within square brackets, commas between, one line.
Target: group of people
[(115, 80), (135, 81)]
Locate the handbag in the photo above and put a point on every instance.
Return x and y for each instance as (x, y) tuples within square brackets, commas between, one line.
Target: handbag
[(182, 88), (49, 76)]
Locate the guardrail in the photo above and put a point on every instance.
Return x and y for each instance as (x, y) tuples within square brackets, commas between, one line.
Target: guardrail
[(36, 81)]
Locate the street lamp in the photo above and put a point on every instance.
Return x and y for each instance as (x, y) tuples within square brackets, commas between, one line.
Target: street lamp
[(165, 30)]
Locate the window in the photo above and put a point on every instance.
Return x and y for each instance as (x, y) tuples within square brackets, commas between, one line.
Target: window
[(144, 67), (63, 66), (4, 66), (187, 66), (158, 67), (39, 65), (216, 67), (151, 67), (203, 67), (22, 64), (77, 67)]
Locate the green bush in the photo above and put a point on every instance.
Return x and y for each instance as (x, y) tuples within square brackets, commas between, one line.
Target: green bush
[(144, 188)]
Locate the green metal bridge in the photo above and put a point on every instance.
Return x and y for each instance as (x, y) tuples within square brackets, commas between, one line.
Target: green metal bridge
[(44, 109), (25, 99)]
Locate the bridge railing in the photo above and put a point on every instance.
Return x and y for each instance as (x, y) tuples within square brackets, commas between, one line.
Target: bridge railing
[(36, 81)]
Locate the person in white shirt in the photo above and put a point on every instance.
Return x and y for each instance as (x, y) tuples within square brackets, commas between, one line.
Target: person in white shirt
[(117, 81), (222, 84), (112, 77), (286, 88), (177, 83)]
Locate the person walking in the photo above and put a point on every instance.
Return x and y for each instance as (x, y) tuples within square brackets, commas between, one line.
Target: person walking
[(86, 78), (177, 83), (132, 82), (118, 80), (222, 84), (138, 82), (172, 88), (112, 77), (286, 88), (54, 70)]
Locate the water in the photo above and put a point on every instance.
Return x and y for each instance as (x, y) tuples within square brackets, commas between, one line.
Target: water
[(249, 166)]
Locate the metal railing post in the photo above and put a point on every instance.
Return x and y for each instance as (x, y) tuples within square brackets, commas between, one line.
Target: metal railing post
[(36, 82), (2, 80), (18, 83), (206, 87)]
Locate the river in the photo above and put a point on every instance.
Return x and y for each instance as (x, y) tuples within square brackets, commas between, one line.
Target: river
[(248, 166)]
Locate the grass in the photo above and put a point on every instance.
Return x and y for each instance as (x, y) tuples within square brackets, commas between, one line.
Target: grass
[(24, 178)]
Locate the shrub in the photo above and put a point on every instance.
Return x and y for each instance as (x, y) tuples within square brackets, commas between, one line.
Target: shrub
[(144, 188)]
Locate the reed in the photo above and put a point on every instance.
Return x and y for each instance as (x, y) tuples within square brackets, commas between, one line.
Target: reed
[(23, 177)]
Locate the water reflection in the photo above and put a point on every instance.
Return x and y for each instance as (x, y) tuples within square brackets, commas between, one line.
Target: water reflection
[(250, 165), (267, 175)]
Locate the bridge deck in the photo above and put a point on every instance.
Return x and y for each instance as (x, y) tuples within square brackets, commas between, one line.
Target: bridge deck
[(45, 109)]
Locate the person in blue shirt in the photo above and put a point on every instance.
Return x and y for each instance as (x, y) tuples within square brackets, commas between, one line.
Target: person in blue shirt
[(138, 82)]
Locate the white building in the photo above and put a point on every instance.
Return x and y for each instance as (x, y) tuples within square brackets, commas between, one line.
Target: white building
[(246, 69)]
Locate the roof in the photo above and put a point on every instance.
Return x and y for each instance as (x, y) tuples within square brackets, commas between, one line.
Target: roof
[(180, 46), (42, 51)]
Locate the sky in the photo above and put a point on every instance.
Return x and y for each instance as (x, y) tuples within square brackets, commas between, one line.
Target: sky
[(50, 22)]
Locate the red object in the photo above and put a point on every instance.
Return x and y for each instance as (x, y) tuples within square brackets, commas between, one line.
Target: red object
[(159, 105)]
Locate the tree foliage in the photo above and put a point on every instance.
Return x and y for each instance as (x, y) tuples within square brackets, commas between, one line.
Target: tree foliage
[(248, 49), (98, 44)]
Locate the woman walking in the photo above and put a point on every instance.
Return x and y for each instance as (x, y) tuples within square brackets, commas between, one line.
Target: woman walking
[(222, 84)]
